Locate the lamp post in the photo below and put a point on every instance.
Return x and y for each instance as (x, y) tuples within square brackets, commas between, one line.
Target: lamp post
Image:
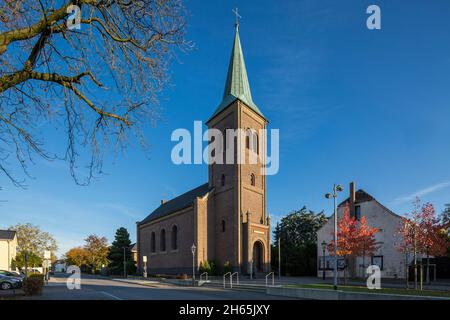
[(336, 189), (324, 244), (279, 251), (193, 263), (124, 264)]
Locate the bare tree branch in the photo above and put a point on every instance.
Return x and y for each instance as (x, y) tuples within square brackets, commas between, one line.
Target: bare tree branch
[(126, 45)]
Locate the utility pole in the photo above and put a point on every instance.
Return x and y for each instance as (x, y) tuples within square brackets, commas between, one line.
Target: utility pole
[(279, 257), (336, 188), (124, 264)]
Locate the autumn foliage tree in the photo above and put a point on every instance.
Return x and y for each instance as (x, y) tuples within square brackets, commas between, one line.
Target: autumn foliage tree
[(354, 238), (421, 233), (97, 251), (77, 256)]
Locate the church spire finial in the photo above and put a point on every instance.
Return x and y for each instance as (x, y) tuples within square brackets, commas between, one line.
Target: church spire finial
[(236, 12), (236, 84)]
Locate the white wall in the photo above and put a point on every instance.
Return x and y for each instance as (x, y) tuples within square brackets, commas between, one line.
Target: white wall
[(7, 253), (379, 217)]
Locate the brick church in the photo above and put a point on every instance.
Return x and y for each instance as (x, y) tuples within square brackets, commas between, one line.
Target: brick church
[(226, 217)]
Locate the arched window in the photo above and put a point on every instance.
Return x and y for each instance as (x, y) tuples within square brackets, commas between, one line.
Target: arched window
[(252, 179), (174, 238), (248, 134), (251, 140), (255, 143), (153, 242), (162, 241), (223, 225), (222, 181)]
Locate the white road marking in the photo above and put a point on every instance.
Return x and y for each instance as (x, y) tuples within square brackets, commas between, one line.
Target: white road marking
[(111, 295)]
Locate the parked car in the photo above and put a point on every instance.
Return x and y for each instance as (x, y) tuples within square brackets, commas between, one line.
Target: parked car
[(7, 282), (12, 274)]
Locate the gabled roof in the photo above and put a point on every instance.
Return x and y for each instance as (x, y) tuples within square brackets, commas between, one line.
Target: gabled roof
[(237, 85), (7, 234), (183, 201), (361, 196)]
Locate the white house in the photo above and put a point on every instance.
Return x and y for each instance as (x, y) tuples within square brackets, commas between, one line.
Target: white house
[(390, 260), (8, 245)]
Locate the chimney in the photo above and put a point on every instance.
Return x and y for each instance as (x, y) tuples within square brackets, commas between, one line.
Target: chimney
[(163, 201), (352, 193)]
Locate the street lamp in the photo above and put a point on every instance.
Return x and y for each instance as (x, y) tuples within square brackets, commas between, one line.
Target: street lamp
[(336, 189), (324, 244), (124, 263), (193, 263)]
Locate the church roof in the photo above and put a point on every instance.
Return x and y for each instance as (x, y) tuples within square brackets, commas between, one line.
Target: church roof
[(182, 201), (237, 85), (7, 234)]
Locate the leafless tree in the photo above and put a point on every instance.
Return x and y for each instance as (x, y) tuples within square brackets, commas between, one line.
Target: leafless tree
[(96, 86)]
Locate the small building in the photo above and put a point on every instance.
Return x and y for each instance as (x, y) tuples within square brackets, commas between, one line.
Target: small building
[(134, 253), (60, 266), (390, 260), (8, 248)]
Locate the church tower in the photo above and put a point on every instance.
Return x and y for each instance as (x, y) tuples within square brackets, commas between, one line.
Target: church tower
[(238, 210)]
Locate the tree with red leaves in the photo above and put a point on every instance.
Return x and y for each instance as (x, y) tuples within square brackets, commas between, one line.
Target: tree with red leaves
[(420, 232), (354, 238), (367, 242)]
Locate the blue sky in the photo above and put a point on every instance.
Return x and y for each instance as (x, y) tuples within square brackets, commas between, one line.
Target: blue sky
[(351, 104)]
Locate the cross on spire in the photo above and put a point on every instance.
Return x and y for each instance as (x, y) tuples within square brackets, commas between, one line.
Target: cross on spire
[(236, 12)]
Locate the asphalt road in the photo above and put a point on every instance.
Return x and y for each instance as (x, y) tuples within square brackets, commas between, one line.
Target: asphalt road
[(102, 288)]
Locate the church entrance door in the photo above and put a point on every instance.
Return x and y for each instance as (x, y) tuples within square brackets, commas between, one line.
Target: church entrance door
[(258, 255)]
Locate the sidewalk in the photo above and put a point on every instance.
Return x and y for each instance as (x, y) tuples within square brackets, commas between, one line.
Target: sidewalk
[(139, 281)]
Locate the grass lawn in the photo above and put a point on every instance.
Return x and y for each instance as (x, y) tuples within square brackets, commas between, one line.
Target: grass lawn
[(429, 293)]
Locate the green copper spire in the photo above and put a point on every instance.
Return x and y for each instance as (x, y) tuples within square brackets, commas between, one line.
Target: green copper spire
[(237, 85)]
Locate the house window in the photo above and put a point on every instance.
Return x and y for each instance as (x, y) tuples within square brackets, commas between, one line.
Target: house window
[(174, 238), (152, 242), (223, 225), (358, 212), (378, 261), (252, 179), (162, 243), (222, 181)]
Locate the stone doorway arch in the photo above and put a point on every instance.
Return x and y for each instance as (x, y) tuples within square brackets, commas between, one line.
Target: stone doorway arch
[(258, 257)]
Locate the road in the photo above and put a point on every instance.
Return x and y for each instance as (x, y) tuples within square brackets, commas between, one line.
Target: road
[(102, 288)]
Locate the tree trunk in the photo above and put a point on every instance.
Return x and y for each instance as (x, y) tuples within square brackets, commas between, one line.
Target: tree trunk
[(406, 270), (364, 263), (428, 268), (415, 261)]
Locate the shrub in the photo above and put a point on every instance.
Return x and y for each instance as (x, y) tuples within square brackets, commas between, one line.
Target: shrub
[(183, 276), (208, 266), (33, 284)]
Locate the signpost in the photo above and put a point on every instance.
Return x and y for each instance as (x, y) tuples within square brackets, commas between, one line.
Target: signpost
[(144, 259), (47, 264)]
